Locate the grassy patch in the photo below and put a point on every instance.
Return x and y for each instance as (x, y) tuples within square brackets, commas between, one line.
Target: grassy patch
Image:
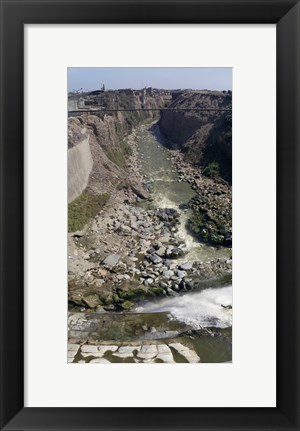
[(126, 148), (119, 156), (83, 208)]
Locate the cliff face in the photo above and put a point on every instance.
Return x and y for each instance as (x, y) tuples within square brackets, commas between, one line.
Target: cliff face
[(107, 138), (204, 136)]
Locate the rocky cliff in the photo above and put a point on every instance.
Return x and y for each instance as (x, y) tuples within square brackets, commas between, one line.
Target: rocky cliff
[(103, 163), (204, 136), (107, 137)]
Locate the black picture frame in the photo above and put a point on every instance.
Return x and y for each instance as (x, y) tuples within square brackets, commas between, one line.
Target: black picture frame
[(286, 15)]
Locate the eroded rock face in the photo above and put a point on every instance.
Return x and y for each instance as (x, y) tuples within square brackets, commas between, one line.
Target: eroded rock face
[(103, 141), (107, 134), (204, 136)]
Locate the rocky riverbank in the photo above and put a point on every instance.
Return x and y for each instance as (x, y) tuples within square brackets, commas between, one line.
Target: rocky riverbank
[(211, 221), (142, 289), (128, 253), (202, 131)]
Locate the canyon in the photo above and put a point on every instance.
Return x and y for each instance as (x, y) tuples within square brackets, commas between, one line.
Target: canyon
[(150, 230)]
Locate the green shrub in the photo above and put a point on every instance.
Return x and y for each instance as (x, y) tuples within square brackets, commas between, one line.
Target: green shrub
[(83, 208), (212, 170), (126, 148)]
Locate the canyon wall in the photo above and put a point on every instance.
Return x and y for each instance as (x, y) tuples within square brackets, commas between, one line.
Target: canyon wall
[(107, 133), (204, 136), (100, 164)]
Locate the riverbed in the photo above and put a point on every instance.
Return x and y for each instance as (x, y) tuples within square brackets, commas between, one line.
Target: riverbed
[(211, 308), (199, 320), (168, 191)]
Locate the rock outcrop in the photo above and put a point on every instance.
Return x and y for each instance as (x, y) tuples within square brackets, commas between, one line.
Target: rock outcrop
[(204, 136)]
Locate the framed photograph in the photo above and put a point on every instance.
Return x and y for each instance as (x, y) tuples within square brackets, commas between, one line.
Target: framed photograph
[(149, 217)]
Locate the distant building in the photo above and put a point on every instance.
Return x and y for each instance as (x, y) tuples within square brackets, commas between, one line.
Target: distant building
[(127, 91), (95, 93)]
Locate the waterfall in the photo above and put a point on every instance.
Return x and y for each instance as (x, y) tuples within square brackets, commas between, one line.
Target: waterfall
[(208, 308)]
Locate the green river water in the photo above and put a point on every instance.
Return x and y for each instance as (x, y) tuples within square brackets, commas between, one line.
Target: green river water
[(197, 309), (168, 192)]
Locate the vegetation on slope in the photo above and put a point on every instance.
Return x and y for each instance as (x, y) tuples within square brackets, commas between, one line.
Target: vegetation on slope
[(120, 154), (84, 208)]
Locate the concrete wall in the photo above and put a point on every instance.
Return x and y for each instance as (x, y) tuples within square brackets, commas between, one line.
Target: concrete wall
[(80, 163), (72, 104)]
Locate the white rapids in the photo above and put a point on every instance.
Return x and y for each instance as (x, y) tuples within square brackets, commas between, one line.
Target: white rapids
[(198, 310), (194, 249)]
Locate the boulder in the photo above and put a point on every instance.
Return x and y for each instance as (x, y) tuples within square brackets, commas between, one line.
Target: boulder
[(161, 251), (155, 259), (92, 300), (127, 305), (139, 191), (181, 274), (148, 281), (174, 253), (186, 266), (111, 260)]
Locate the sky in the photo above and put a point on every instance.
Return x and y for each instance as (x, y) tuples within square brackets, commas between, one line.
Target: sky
[(196, 78)]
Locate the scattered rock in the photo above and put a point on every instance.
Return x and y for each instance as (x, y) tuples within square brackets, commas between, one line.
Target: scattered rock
[(186, 266), (92, 300), (111, 260), (155, 259)]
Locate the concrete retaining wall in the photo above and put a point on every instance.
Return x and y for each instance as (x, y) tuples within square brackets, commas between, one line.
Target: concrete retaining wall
[(80, 163)]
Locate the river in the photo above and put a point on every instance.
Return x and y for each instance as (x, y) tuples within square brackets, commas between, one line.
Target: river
[(210, 308), (168, 191)]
